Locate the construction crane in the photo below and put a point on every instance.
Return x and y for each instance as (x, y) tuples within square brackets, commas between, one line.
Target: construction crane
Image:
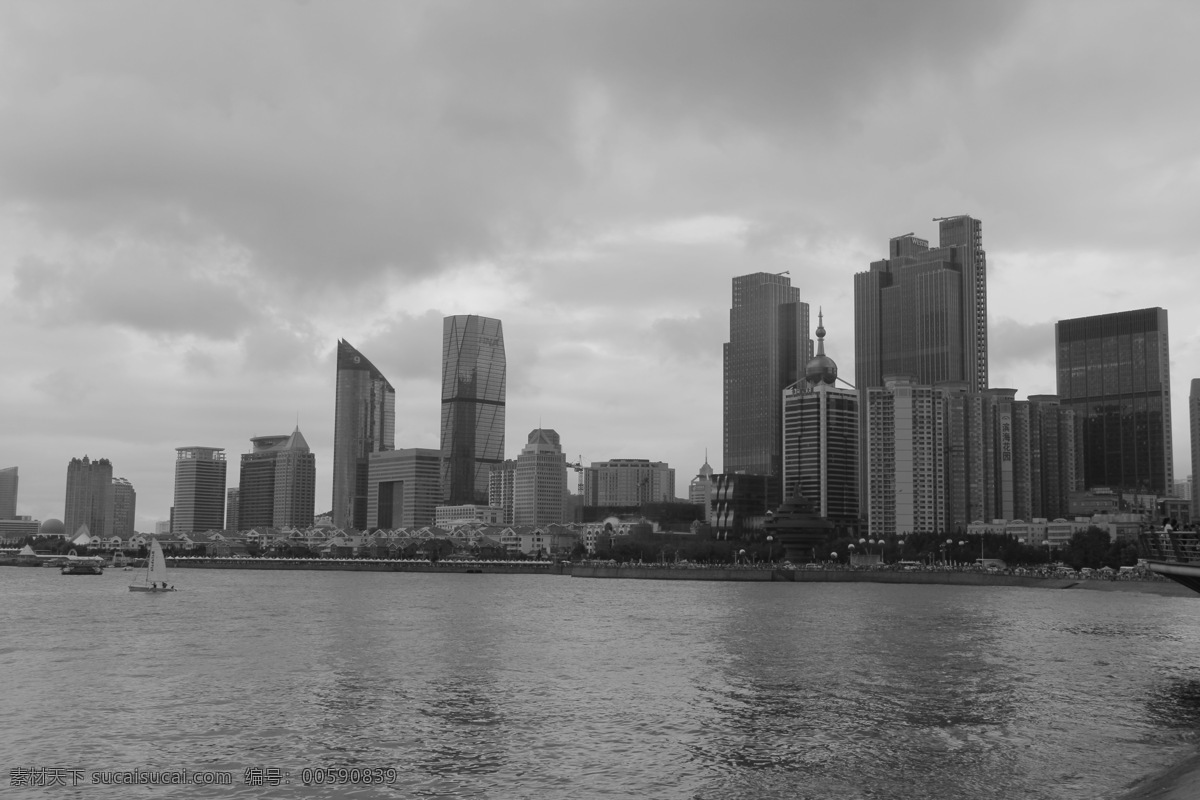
[(579, 468)]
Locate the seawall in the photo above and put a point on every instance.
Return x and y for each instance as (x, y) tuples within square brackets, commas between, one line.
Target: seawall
[(873, 576), (369, 565)]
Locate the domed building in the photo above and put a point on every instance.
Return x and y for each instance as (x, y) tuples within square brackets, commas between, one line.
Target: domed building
[(53, 527), (820, 440)]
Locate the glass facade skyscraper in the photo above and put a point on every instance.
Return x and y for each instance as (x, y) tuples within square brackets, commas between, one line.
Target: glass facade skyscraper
[(1114, 371), (364, 422), (473, 389), (767, 350)]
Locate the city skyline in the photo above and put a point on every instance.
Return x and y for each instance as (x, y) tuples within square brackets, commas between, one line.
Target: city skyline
[(180, 256)]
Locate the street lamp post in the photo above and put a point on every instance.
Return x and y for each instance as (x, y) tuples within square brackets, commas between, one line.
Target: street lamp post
[(770, 547)]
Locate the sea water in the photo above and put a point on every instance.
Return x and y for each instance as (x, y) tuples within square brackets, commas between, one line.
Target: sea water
[(408, 685)]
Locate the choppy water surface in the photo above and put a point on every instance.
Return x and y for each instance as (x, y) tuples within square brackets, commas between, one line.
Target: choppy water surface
[(497, 686)]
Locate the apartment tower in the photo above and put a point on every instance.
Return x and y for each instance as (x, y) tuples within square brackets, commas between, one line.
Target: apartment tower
[(89, 497)]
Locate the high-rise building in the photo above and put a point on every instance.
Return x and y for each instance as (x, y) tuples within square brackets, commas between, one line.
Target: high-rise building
[(502, 487), (232, 508), (1114, 372), (922, 312), (8, 493), (473, 390), (199, 489), (628, 482), (403, 488), (89, 497), (1194, 413), (906, 452), (277, 486), (767, 349), (124, 509), (1006, 458), (820, 439), (540, 489), (700, 489), (364, 422)]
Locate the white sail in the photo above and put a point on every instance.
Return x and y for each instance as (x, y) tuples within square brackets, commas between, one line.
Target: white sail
[(156, 564), (155, 577)]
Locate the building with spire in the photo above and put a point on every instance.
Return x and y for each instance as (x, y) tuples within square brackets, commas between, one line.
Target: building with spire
[(540, 480), (364, 422), (820, 439), (199, 489), (767, 349), (277, 485), (701, 488), (474, 375), (89, 497)]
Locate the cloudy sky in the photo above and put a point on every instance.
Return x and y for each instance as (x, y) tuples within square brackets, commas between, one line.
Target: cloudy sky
[(199, 199)]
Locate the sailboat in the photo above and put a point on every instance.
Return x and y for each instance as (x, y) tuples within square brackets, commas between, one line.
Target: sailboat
[(155, 578)]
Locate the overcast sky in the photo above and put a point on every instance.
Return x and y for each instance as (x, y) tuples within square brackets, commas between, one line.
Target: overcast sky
[(199, 199)]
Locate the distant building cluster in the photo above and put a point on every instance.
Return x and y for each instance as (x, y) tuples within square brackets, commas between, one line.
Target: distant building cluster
[(920, 442)]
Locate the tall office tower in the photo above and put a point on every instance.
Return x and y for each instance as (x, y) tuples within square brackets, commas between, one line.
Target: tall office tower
[(701, 488), (628, 482), (473, 389), (767, 349), (89, 497), (232, 508), (404, 488), (364, 422), (278, 483), (922, 311), (199, 489), (8, 493), (906, 450), (1114, 371), (820, 439), (502, 487), (124, 509), (540, 492), (1194, 413)]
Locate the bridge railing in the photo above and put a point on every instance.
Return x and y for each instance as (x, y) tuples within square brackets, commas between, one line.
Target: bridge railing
[(1176, 546)]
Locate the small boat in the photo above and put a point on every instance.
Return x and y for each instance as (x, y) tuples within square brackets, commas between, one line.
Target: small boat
[(155, 578)]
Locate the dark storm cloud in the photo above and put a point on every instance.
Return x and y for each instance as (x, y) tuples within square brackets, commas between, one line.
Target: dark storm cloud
[(331, 142)]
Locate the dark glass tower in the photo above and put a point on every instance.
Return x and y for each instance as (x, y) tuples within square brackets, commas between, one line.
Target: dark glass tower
[(767, 349), (473, 387), (364, 422), (1114, 371)]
